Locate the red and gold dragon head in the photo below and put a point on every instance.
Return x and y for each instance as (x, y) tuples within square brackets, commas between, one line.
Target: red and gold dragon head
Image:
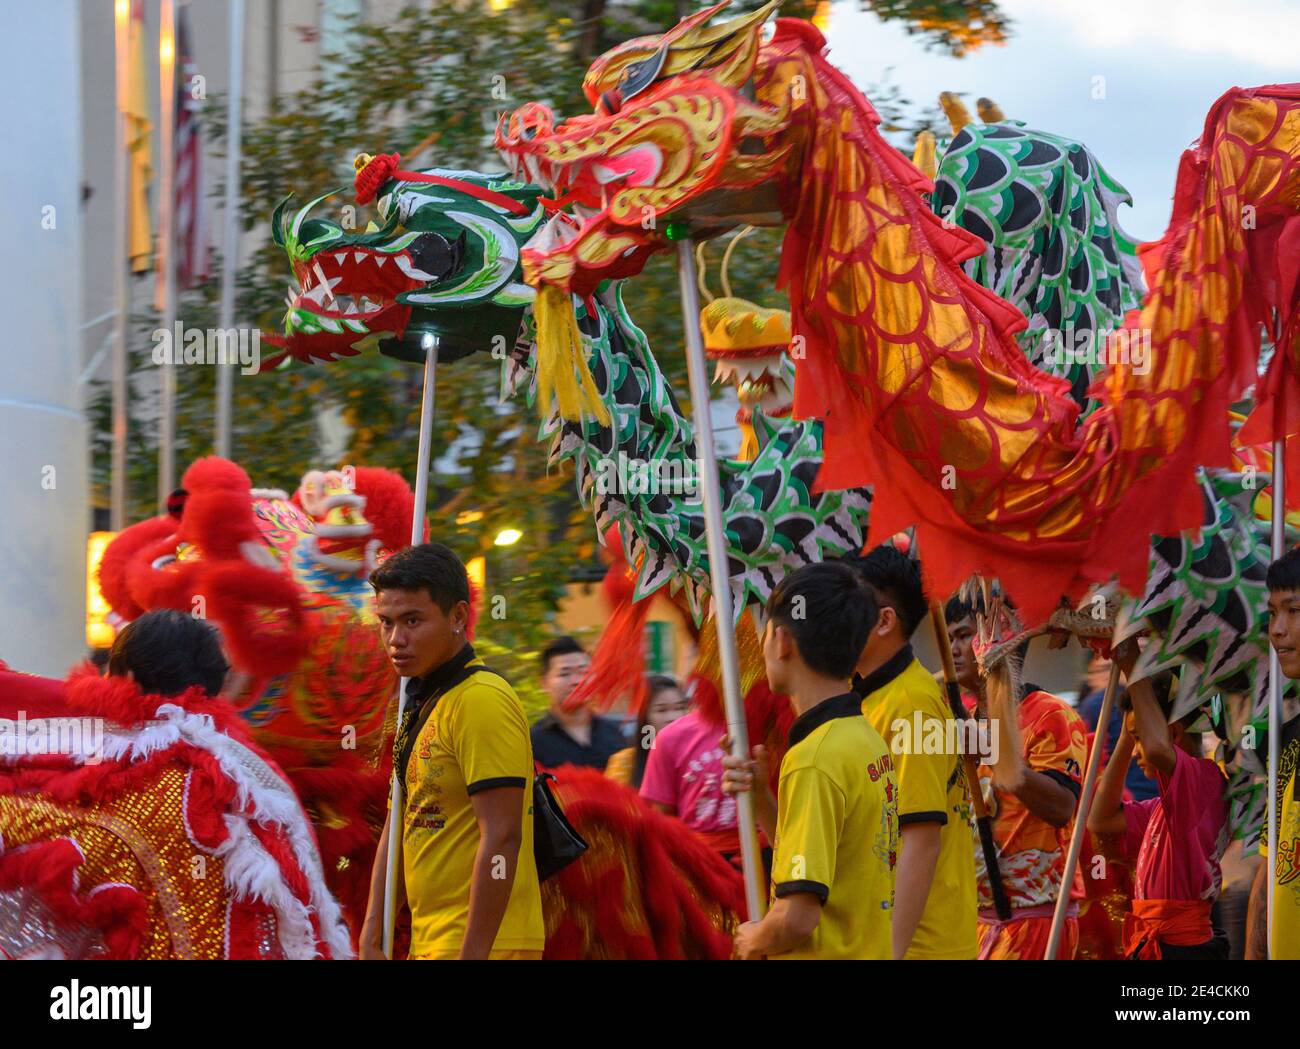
[(687, 127)]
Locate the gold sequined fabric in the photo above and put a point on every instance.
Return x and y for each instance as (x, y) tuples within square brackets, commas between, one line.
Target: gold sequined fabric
[(136, 838)]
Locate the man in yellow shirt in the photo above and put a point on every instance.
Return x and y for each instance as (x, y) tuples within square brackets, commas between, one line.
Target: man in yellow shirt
[(468, 870), (1284, 635), (834, 821), (935, 901)]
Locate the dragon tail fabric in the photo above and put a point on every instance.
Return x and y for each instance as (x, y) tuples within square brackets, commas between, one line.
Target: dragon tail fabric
[(916, 373), (618, 664)]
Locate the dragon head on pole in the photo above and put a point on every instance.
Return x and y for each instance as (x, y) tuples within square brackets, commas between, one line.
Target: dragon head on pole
[(674, 135), (442, 262)]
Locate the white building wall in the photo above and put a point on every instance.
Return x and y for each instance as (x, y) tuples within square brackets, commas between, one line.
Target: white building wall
[(43, 457)]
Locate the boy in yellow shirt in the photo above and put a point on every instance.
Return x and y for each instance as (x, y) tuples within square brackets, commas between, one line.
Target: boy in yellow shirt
[(1284, 635), (834, 821), (468, 869), (935, 900)]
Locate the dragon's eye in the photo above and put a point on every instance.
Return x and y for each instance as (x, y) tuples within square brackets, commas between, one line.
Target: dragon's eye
[(640, 75)]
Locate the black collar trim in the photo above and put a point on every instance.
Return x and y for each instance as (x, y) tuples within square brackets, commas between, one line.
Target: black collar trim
[(885, 673), (846, 705), (437, 680)]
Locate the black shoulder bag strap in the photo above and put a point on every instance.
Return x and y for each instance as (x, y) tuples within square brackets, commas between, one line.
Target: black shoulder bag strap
[(417, 719), (556, 843)]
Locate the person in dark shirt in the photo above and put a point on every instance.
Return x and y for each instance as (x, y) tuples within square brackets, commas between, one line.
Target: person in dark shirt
[(576, 737)]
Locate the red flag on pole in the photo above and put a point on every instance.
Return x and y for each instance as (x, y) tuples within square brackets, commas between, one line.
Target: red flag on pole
[(190, 235), (191, 215)]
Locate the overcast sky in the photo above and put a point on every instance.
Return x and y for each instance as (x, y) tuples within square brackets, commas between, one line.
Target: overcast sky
[(1164, 64)]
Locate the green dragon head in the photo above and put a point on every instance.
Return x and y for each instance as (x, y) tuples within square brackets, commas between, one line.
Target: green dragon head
[(442, 261)]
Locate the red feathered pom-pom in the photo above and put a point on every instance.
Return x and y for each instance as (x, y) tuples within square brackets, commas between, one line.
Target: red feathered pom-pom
[(389, 505), (213, 472), (219, 509), (117, 559), (169, 586), (375, 174), (261, 616)]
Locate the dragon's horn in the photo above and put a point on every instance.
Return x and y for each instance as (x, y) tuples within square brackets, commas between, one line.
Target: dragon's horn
[(923, 155), (726, 258), (990, 112), (278, 224), (702, 271), (958, 115)]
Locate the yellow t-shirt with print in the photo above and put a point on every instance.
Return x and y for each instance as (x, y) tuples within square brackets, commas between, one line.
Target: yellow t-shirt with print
[(906, 706), (837, 830), (1285, 941), (475, 739)]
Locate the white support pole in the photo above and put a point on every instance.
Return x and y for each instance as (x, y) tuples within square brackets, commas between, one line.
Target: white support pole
[(396, 800), (723, 619), (121, 266), (1081, 816), (1275, 670), (167, 240), (230, 260)]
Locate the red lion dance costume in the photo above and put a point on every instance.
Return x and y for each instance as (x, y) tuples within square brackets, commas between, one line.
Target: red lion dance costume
[(189, 841), (165, 833)]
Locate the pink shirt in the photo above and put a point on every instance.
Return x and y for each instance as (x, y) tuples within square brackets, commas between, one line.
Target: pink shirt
[(684, 770), (1181, 835)]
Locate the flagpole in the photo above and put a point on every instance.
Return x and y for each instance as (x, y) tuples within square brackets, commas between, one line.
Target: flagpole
[(723, 620), (167, 240), (122, 264), (229, 264), (1274, 666), (430, 344), (1081, 816)]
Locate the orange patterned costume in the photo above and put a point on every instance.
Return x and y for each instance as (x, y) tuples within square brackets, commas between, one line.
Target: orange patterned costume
[(1031, 852)]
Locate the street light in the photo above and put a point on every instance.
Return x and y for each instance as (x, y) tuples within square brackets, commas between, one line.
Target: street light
[(99, 630), (508, 537)]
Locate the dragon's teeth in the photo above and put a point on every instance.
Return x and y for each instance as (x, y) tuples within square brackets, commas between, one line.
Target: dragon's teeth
[(379, 260), (357, 256), (340, 257), (351, 306), (320, 276)]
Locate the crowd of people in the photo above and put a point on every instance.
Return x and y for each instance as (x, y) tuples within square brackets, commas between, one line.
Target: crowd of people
[(868, 839)]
